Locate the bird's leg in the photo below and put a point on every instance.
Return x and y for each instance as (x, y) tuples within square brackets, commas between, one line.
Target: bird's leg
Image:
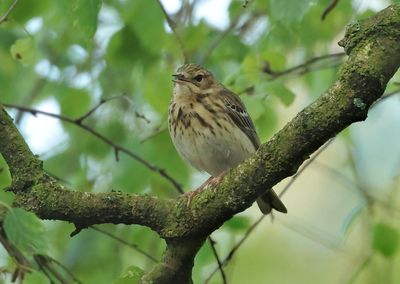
[(210, 181), (216, 180), (192, 194)]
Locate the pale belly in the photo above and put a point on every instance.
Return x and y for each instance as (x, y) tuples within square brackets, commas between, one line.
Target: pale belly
[(213, 153)]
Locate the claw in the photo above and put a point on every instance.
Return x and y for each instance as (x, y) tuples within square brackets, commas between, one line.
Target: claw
[(210, 181)]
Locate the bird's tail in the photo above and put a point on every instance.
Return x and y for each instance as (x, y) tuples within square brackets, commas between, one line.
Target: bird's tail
[(268, 201)]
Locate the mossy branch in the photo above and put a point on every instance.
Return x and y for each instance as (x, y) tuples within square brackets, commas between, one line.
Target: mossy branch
[(373, 47)]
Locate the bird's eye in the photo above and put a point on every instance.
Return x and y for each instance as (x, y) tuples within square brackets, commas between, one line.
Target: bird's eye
[(199, 78)]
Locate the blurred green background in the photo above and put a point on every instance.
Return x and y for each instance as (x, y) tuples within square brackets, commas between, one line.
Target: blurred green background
[(65, 56)]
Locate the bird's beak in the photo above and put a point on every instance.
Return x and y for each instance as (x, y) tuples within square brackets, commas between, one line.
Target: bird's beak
[(179, 78)]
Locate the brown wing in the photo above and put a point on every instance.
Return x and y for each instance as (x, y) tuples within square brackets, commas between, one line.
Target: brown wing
[(238, 113)]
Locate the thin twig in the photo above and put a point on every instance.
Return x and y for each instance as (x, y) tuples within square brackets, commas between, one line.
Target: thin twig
[(233, 24), (301, 68), (339, 176), (8, 12), (172, 26), (117, 148), (44, 264), (12, 250), (105, 100), (122, 241), (329, 8), (214, 250), (142, 116), (329, 242), (385, 97), (162, 127), (66, 269), (219, 39), (80, 119), (236, 247), (363, 264), (156, 132), (37, 87), (294, 177), (251, 229), (24, 265)]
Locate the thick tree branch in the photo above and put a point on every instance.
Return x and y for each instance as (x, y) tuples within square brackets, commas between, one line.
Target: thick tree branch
[(373, 47), (38, 192)]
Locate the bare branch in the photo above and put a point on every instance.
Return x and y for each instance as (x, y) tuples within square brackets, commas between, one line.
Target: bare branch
[(306, 164), (215, 253), (80, 119), (23, 264), (117, 148), (8, 12), (219, 39), (329, 8), (44, 265), (255, 224), (159, 130), (122, 241), (172, 26), (66, 269), (236, 247), (301, 68)]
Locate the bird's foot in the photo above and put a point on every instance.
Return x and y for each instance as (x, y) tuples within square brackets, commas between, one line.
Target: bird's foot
[(210, 181)]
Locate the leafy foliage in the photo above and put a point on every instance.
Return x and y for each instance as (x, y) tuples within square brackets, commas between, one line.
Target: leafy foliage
[(385, 239), (25, 231)]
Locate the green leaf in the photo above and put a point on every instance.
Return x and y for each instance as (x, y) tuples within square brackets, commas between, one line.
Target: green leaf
[(73, 102), (126, 41), (5, 177), (24, 10), (238, 224), (149, 28), (25, 231), (385, 239), (131, 275), (158, 95), (205, 255), (251, 68), (83, 15), (254, 106), (23, 50), (6, 198), (266, 123), (288, 11), (276, 60), (194, 37), (285, 95)]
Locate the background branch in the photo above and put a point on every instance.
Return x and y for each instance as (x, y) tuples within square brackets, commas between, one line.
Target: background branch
[(117, 148), (172, 26), (329, 9), (8, 12), (301, 68)]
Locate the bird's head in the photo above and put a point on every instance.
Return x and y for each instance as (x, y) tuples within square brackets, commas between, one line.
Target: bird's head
[(192, 79)]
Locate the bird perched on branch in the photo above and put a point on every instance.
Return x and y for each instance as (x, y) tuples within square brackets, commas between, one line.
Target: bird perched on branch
[(211, 129)]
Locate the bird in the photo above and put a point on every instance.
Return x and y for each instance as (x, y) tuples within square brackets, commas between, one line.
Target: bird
[(211, 128)]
